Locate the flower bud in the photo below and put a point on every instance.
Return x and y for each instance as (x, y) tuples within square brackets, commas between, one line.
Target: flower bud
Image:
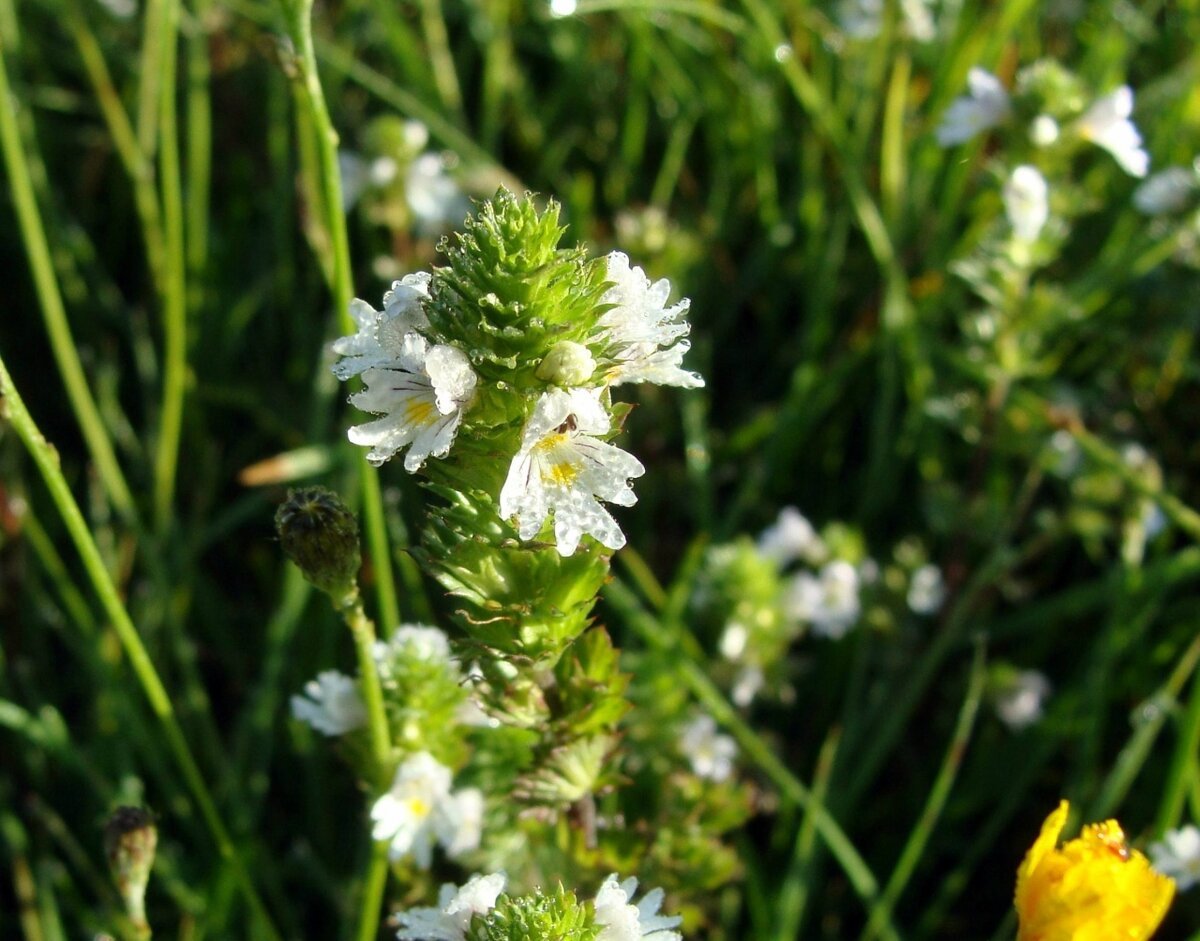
[(320, 534), (567, 364), (130, 839)]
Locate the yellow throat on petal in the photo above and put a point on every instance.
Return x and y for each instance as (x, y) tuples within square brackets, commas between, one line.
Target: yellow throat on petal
[(559, 466), (1092, 888)]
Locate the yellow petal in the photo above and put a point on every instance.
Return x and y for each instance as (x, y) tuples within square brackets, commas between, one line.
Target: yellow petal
[(1095, 888)]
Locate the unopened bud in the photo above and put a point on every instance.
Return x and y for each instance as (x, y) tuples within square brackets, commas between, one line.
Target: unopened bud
[(320, 534), (567, 364), (130, 839)]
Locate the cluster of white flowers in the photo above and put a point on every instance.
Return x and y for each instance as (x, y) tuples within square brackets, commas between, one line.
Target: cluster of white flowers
[(1105, 123), (420, 810), (331, 704), (614, 912), (563, 468), (1177, 855), (823, 594), (710, 753)]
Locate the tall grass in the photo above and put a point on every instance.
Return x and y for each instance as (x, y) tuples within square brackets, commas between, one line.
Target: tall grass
[(176, 258)]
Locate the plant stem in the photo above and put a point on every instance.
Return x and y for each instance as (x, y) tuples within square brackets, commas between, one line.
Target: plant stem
[(300, 24), (199, 143), (363, 629), (374, 884), (923, 830), (175, 298), (46, 458), (53, 311), (433, 24), (138, 167)]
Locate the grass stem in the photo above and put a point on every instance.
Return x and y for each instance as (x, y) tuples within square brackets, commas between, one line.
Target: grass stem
[(46, 459)]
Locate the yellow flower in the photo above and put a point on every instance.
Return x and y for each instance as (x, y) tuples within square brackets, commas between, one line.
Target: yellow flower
[(1093, 888)]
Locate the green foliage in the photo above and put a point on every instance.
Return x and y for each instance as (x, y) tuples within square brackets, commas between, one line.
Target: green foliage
[(878, 348), (508, 295), (553, 915)]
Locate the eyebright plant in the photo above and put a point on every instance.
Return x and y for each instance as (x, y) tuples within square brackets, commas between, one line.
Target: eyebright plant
[(492, 378)]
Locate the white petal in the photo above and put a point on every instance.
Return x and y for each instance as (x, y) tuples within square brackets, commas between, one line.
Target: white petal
[(451, 375)]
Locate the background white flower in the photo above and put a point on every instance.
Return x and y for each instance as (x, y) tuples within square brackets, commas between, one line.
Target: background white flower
[(562, 469), (1043, 130), (331, 704), (421, 392), (986, 105), (449, 920), (1019, 702), (926, 590), (1177, 855), (434, 197), (1106, 124), (641, 337), (414, 641), (623, 921), (863, 19), (711, 754), (420, 811), (1026, 202), (1166, 192), (791, 537), (828, 601)]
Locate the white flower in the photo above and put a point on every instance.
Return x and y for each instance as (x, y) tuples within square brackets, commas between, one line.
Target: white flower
[(414, 642), (791, 537), (1106, 124), (420, 810), (422, 393), (433, 196), (863, 19), (746, 685), (562, 468), (1019, 703), (711, 754), (466, 822), (986, 105), (1166, 192), (1043, 130), (926, 590), (451, 918), (331, 704), (733, 640), (1026, 203), (642, 339), (1178, 855), (381, 334), (828, 601), (620, 920)]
